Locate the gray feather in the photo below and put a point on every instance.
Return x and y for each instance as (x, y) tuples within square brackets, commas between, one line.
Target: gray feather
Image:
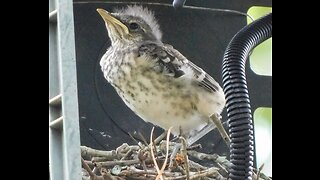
[(171, 62)]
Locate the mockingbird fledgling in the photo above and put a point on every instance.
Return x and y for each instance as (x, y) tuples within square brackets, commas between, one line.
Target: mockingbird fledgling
[(155, 80)]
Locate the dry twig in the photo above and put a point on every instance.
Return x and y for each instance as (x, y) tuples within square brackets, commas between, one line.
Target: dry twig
[(142, 162)]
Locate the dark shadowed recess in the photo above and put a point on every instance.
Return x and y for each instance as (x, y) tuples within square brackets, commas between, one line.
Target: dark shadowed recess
[(201, 36)]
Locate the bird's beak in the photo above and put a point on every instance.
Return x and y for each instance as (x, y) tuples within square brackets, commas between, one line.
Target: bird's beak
[(113, 22)]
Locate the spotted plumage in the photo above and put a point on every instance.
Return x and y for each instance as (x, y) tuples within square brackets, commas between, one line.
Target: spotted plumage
[(155, 80)]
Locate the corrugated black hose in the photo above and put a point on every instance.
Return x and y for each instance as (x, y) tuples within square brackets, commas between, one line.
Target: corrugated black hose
[(237, 96)]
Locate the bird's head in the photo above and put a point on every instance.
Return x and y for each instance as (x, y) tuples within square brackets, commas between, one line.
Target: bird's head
[(133, 24)]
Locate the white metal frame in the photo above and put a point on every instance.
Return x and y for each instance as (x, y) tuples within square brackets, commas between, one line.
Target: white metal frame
[(64, 135)]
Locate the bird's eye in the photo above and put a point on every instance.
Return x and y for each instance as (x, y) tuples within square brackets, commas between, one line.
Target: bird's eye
[(133, 26)]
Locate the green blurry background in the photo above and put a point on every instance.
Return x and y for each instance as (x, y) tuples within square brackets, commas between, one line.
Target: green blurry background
[(261, 64)]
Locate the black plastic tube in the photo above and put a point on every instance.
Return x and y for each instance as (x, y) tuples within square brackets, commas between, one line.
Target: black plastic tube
[(237, 96)]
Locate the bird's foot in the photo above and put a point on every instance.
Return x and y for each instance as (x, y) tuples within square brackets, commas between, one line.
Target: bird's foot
[(174, 152)]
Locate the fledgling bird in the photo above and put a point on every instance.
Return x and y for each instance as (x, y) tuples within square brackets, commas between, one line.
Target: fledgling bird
[(155, 80)]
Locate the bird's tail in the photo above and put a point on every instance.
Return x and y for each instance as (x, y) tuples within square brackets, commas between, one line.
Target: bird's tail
[(199, 134)]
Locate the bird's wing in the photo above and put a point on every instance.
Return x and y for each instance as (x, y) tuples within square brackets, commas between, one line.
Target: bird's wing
[(171, 62)]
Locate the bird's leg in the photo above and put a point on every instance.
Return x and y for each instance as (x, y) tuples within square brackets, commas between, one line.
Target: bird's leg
[(185, 156), (159, 138), (199, 134), (175, 139), (175, 150), (216, 120)]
